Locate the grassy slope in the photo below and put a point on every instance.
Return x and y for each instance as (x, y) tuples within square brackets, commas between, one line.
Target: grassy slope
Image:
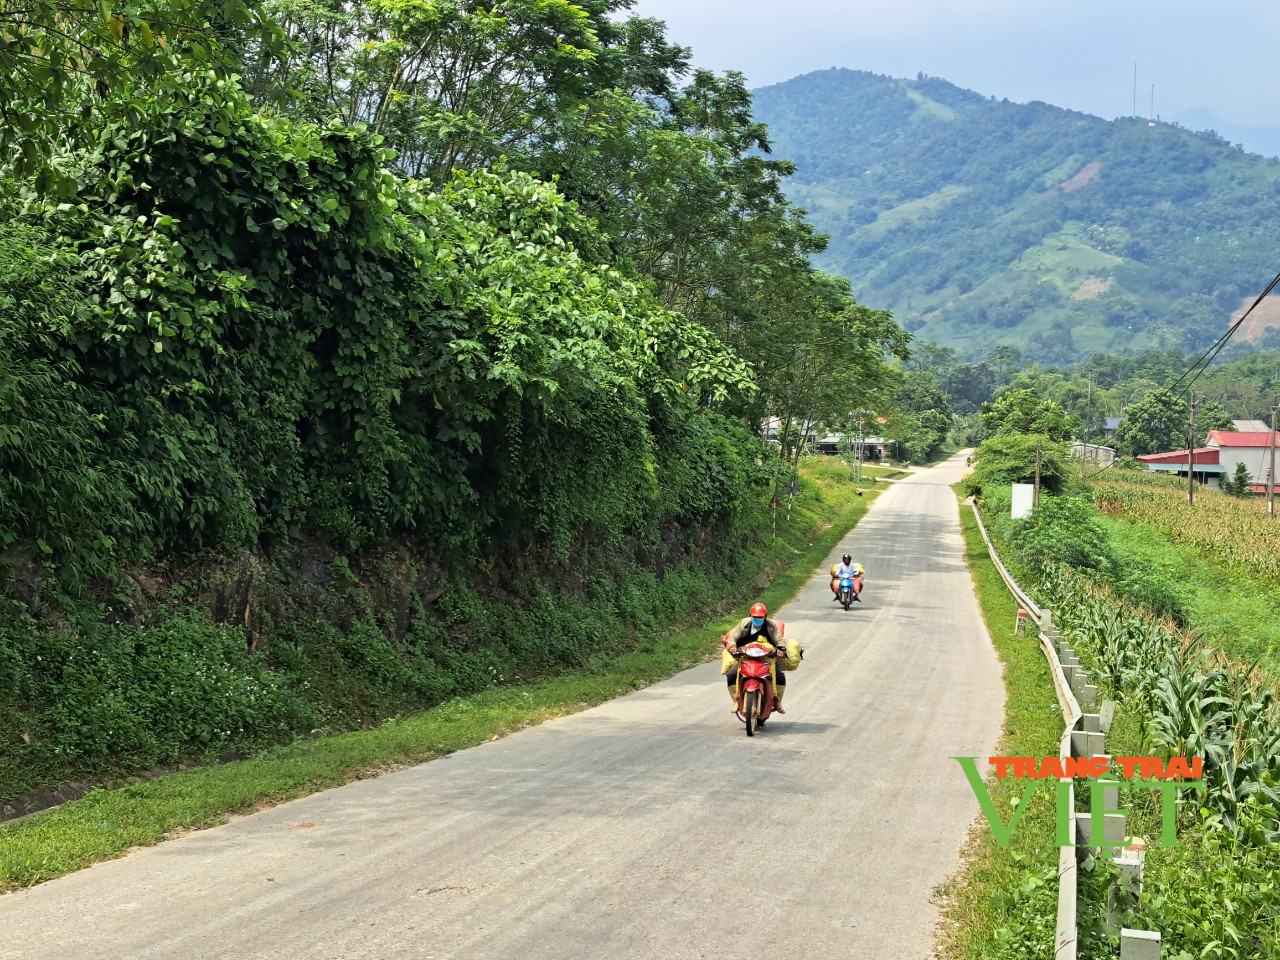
[(107, 823), (1003, 902), (1235, 613)]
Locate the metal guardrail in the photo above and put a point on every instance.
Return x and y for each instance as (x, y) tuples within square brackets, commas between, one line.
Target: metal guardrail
[(1067, 930)]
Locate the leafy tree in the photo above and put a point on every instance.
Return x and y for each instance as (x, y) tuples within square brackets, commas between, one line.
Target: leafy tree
[(1160, 420), (1211, 415), (65, 66), (922, 417), (1155, 423), (1024, 411), (1011, 458)]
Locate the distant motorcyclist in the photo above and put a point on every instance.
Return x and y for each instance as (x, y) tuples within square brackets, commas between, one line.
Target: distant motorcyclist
[(758, 626), (846, 568)]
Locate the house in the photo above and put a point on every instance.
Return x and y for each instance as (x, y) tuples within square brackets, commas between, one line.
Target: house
[(1252, 448), (1109, 427), (1249, 426), (872, 447), (1208, 469), (1102, 456)]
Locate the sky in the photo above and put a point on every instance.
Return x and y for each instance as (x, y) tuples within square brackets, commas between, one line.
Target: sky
[(1212, 62)]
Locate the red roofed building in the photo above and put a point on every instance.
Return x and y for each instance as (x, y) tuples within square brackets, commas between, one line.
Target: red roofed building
[(1253, 449), (1206, 460)]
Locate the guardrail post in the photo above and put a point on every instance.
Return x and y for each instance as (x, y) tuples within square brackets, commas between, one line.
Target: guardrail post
[(1107, 713), (1114, 831), (1086, 744), (1079, 679)]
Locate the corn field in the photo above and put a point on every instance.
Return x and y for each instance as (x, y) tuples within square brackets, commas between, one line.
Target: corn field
[(1217, 895), (1234, 531)]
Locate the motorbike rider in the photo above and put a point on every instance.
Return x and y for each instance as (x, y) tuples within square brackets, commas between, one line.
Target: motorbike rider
[(847, 568), (758, 626)]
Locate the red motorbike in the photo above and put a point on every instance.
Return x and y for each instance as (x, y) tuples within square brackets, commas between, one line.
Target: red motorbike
[(755, 684)]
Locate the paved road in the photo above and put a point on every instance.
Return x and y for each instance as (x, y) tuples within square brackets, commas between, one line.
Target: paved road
[(642, 828)]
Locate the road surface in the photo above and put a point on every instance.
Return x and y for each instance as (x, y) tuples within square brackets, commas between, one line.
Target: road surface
[(648, 827)]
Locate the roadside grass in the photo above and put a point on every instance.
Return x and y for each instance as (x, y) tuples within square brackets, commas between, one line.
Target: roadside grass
[(1235, 612), (108, 823), (1002, 902)]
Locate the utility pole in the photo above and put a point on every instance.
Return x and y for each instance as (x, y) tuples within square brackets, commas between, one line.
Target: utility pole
[(1035, 493), (1271, 473), (1191, 456), (1088, 412)]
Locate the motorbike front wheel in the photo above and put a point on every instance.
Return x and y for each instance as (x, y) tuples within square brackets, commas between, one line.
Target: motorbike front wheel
[(846, 599), (750, 705)]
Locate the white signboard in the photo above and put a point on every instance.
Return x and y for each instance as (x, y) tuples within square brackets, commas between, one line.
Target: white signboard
[(1023, 497)]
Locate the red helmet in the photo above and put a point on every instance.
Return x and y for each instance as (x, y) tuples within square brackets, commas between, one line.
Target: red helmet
[(759, 610)]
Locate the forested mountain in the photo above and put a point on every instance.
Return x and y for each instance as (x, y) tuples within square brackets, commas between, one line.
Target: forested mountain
[(979, 221)]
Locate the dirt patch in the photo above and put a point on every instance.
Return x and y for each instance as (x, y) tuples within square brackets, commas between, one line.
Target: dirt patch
[(1264, 318), (1081, 179), (1092, 288)]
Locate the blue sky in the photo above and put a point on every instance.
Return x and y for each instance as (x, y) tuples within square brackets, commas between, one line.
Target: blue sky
[(1213, 62)]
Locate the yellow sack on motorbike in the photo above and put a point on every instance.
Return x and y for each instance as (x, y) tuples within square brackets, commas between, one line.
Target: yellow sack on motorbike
[(727, 662), (795, 653), (834, 568)]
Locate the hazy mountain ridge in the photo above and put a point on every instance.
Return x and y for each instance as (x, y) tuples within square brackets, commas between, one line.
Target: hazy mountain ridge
[(979, 221)]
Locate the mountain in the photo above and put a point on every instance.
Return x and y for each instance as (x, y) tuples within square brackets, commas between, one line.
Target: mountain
[(979, 221), (1261, 140)]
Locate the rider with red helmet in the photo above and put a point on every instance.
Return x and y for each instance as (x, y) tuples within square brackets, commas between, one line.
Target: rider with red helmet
[(758, 626)]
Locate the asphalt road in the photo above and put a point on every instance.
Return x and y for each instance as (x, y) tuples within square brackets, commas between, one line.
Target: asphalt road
[(649, 827)]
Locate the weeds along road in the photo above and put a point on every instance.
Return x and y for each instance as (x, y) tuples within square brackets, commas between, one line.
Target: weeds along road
[(649, 827)]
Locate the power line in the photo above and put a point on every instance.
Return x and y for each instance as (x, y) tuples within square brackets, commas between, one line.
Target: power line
[(1211, 354)]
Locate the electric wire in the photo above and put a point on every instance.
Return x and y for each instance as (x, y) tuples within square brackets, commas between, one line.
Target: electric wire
[(1211, 354)]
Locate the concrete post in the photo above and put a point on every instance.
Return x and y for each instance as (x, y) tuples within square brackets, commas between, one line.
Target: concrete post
[(1130, 863), (1107, 711), (1086, 744), (1088, 695), (1139, 945), (1091, 723), (1046, 620), (1114, 830)]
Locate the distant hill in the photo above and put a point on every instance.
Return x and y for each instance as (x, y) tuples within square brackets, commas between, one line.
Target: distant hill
[(979, 221)]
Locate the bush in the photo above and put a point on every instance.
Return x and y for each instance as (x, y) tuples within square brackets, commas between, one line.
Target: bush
[(1011, 458), (1061, 531)]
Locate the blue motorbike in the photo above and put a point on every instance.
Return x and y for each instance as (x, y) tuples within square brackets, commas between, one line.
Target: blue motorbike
[(846, 592)]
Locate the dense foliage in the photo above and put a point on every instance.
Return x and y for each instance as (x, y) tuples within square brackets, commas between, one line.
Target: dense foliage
[(979, 221), (1176, 697), (502, 289)]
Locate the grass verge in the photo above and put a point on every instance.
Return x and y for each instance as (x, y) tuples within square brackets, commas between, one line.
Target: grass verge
[(107, 823), (1002, 903)]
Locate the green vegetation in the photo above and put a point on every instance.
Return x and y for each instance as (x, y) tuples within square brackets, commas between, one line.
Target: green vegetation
[(1003, 904), (105, 823), (980, 222), (1121, 601), (331, 390), (1178, 702), (1233, 607)]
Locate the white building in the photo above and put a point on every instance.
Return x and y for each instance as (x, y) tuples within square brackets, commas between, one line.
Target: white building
[(1253, 449)]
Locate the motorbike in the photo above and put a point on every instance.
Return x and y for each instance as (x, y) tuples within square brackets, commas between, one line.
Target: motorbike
[(755, 684), (846, 592)]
